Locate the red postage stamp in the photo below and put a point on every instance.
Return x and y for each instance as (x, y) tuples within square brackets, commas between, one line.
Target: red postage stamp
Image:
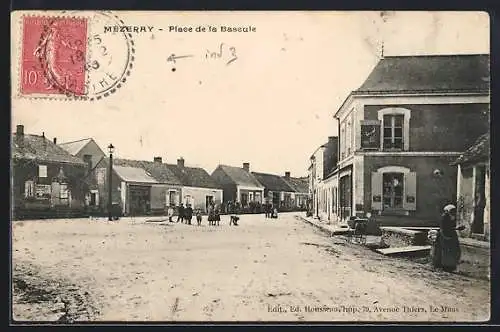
[(73, 55), (54, 51)]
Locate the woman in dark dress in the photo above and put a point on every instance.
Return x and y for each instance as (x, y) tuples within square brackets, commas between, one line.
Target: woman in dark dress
[(446, 247), (188, 212), (211, 214), (217, 214)]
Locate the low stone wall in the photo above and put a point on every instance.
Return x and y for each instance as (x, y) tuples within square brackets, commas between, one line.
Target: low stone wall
[(401, 237), (475, 258)]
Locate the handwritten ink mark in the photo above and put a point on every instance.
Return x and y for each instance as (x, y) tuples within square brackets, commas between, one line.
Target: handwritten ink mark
[(233, 54), (219, 54), (174, 57)]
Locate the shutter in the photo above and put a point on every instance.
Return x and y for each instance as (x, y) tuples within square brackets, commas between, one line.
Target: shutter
[(377, 191), (410, 199)]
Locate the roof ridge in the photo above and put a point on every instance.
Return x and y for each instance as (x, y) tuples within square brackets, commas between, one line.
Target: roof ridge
[(78, 140)]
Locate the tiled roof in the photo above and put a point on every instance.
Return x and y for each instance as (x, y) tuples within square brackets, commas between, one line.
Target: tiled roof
[(74, 147), (35, 147), (240, 176), (160, 172), (300, 185), (479, 151), (272, 182), (418, 74), (193, 176), (133, 174)]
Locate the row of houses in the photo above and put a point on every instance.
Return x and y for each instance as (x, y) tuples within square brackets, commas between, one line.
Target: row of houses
[(73, 179), (412, 138)]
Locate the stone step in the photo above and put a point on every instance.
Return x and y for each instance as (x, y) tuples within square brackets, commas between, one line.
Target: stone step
[(402, 250)]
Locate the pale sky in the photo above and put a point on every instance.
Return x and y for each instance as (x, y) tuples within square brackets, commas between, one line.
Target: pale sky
[(272, 107)]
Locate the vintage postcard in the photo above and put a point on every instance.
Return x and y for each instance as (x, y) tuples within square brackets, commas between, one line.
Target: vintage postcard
[(250, 166)]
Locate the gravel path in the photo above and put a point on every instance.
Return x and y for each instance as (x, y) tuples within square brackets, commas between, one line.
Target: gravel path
[(262, 270)]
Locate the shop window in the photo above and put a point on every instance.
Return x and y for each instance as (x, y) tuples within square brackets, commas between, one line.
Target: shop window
[(393, 190)]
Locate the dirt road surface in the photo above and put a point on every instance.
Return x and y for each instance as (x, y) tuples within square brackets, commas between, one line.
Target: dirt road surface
[(262, 270)]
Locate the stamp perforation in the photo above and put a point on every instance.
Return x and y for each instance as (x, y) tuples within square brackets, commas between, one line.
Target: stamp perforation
[(68, 95)]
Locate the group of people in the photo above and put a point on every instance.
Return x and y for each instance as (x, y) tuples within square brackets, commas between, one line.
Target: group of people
[(270, 210), (185, 214)]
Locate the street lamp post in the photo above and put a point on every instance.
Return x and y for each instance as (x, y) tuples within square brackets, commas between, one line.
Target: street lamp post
[(111, 149)]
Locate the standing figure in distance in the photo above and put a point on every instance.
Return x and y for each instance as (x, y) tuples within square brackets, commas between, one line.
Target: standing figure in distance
[(180, 210), (198, 217)]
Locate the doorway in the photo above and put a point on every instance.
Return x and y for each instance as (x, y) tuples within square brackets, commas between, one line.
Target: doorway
[(208, 201), (345, 197), (140, 199)]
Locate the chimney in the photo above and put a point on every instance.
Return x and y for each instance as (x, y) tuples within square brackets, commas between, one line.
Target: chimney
[(43, 134), (55, 140), (20, 130), (287, 175), (157, 160), (180, 162), (246, 167)]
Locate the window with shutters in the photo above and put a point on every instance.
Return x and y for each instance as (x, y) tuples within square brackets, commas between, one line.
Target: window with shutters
[(393, 190)]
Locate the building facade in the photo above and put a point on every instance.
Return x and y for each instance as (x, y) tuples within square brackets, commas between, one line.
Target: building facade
[(400, 131), (323, 180), (46, 179), (89, 152), (473, 188), (138, 187), (300, 186), (239, 185), (276, 191), (198, 188)]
